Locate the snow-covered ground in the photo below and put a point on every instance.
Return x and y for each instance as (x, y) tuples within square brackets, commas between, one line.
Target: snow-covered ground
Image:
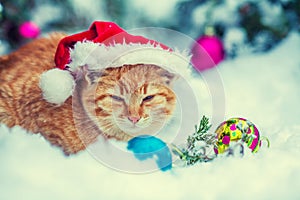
[(263, 88)]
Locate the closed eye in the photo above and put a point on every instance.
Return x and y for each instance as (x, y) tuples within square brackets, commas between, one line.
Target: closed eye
[(148, 98), (116, 98)]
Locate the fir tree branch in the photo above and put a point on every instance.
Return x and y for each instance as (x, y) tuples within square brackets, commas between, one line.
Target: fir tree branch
[(193, 153)]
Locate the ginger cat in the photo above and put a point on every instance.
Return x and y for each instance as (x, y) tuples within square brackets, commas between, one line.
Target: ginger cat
[(116, 102)]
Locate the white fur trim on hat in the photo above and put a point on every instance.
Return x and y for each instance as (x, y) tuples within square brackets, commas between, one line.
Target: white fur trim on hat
[(99, 56), (57, 85)]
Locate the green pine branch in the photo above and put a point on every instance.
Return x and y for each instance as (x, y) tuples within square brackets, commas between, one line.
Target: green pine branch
[(193, 153)]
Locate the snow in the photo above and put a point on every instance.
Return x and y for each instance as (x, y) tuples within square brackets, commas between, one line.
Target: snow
[(89, 9), (271, 14), (3, 47), (233, 40), (156, 9), (263, 88), (226, 13), (46, 13)]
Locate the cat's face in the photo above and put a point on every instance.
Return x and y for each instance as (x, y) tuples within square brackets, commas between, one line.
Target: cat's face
[(134, 99)]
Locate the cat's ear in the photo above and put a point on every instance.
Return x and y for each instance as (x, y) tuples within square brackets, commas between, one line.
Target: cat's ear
[(168, 77), (88, 75), (92, 76)]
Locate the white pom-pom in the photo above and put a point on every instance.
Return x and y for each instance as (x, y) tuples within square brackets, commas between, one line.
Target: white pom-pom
[(57, 85)]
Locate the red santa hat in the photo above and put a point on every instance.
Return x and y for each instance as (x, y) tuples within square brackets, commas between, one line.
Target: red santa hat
[(105, 44)]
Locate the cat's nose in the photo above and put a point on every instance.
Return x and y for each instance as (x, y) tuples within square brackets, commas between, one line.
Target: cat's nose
[(134, 119)]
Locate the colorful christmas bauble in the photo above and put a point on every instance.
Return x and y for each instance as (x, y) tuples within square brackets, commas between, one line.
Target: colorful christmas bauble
[(29, 29), (207, 52), (234, 130)]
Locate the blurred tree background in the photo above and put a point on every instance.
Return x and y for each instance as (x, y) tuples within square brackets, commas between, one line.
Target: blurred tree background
[(242, 25)]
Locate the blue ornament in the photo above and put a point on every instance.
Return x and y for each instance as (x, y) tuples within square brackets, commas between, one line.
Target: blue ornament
[(145, 147)]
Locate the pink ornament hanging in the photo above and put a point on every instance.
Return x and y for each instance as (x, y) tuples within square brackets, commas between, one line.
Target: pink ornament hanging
[(207, 52), (29, 29)]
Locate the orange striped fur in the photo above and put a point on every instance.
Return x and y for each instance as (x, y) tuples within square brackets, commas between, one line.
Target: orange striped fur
[(117, 102)]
